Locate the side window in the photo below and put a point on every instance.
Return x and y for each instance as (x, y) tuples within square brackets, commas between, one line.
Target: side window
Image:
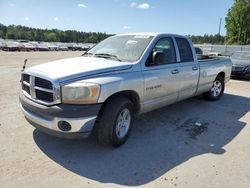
[(185, 50), (166, 46)]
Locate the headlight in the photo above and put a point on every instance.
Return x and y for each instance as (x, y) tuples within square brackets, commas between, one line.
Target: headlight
[(80, 93)]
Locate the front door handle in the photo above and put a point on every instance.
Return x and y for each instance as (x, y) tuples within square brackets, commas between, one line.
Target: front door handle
[(175, 71), (195, 68)]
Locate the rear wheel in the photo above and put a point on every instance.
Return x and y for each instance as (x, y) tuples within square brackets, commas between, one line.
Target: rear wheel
[(115, 122), (217, 90)]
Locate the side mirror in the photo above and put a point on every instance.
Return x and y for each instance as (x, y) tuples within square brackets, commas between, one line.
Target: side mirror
[(158, 57)]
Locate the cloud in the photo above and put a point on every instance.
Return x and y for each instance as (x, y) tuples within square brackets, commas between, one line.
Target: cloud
[(56, 19), (125, 27), (133, 4), (143, 6), (140, 6), (27, 19), (81, 5)]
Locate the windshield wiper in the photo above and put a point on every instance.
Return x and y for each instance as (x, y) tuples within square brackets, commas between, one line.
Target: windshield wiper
[(86, 54), (104, 55)]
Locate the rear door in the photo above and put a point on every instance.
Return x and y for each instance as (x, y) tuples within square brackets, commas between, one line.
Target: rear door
[(189, 69), (161, 81)]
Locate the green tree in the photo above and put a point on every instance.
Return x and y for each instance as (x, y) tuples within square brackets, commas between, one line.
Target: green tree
[(238, 23), (3, 30), (52, 35), (211, 39)]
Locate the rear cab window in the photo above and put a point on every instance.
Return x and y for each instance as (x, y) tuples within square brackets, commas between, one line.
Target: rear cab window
[(186, 54)]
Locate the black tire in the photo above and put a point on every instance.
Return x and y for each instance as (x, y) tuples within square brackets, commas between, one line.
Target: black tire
[(107, 122), (210, 95)]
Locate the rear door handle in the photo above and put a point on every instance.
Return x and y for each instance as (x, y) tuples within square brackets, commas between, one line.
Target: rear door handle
[(195, 68), (175, 71)]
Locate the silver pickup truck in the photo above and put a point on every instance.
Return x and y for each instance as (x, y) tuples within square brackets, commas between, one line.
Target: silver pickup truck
[(122, 76)]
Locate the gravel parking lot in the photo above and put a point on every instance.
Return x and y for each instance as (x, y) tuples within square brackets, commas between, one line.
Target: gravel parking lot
[(193, 143)]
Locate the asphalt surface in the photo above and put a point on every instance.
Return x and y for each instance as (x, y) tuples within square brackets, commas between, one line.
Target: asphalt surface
[(193, 143)]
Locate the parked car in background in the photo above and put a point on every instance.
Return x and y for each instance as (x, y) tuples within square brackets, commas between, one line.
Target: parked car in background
[(74, 47), (200, 54), (27, 47), (1, 45), (85, 47), (214, 54), (42, 47), (53, 46), (70, 46), (77, 47), (241, 64), (62, 47), (11, 46)]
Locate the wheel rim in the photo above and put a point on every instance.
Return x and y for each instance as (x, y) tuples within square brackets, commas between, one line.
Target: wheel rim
[(216, 89), (123, 123)]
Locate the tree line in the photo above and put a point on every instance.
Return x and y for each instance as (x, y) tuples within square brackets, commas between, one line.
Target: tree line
[(49, 35), (56, 35), (209, 39)]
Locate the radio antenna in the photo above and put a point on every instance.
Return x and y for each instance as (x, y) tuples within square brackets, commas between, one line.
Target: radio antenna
[(24, 64)]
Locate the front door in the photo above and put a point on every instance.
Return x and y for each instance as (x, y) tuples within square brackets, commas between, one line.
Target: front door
[(161, 81)]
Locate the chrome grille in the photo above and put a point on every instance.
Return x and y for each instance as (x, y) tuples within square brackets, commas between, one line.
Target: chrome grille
[(40, 82), (44, 95), (40, 90), (26, 78), (26, 88)]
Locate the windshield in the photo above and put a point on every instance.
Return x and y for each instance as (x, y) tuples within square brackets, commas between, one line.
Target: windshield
[(122, 47), (241, 55)]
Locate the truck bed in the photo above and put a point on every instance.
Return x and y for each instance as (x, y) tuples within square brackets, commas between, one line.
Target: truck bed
[(209, 58)]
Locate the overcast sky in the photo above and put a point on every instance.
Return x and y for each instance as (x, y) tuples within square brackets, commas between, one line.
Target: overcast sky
[(118, 16)]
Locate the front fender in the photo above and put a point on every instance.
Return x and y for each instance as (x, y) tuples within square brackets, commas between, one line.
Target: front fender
[(113, 84)]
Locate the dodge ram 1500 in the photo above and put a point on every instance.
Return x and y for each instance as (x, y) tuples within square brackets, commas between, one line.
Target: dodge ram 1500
[(123, 76)]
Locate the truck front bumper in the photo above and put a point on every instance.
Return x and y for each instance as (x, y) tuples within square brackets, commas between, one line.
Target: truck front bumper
[(65, 121)]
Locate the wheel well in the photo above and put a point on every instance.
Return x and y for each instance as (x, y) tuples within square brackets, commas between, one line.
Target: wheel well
[(222, 74), (131, 95)]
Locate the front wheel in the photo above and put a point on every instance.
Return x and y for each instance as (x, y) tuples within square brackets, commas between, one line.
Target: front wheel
[(217, 90), (115, 122)]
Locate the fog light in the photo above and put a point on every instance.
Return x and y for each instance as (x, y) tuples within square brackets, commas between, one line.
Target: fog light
[(64, 126)]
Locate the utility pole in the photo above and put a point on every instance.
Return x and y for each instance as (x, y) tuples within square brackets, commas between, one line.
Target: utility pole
[(220, 28)]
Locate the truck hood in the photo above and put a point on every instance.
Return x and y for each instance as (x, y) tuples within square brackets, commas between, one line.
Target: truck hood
[(241, 62), (73, 68)]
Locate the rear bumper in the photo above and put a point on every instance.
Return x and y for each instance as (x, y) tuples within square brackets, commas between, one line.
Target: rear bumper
[(81, 118)]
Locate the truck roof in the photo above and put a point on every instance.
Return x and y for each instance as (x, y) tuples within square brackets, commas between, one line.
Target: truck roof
[(154, 34), (146, 33)]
